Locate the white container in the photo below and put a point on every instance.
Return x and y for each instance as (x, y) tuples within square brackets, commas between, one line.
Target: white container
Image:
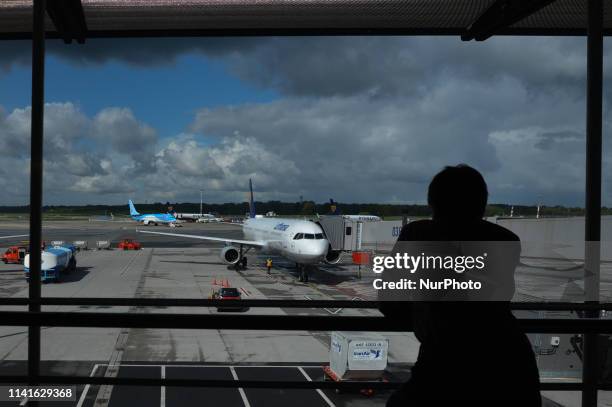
[(358, 355), (80, 244), (57, 243), (103, 244)]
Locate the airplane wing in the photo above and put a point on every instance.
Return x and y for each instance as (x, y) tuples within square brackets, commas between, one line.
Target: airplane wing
[(214, 239), (9, 237)]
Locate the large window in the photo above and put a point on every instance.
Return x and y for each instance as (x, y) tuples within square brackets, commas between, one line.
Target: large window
[(150, 146)]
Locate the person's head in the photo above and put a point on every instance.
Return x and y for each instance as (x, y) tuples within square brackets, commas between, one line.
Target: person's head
[(458, 193)]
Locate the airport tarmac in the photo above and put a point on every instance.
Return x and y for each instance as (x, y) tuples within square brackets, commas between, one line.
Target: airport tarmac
[(184, 268), (181, 268)]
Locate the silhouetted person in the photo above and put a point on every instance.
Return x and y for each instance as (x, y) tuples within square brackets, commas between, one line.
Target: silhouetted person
[(472, 353)]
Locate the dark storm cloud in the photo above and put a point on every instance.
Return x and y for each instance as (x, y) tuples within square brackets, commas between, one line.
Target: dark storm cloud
[(323, 66), (358, 149), (393, 65), (132, 51)]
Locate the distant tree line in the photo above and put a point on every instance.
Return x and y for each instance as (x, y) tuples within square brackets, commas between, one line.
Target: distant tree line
[(306, 208)]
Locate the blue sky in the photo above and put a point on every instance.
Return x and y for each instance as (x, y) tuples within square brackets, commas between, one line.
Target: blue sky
[(166, 97)]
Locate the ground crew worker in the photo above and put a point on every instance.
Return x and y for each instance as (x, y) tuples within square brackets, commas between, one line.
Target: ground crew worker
[(269, 264)]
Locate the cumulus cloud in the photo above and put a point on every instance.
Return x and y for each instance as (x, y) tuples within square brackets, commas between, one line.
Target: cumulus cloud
[(116, 129), (112, 155), (83, 156), (223, 169), (101, 184), (357, 119), (356, 148)]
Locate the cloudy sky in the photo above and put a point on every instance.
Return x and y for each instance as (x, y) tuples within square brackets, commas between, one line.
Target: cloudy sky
[(359, 119)]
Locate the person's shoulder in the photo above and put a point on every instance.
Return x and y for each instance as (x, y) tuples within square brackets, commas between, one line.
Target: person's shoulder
[(499, 233), (415, 228), (420, 224)]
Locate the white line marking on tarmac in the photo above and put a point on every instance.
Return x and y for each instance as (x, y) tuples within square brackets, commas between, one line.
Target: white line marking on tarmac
[(86, 389), (162, 391), (127, 266), (333, 312), (192, 365), (245, 400), (323, 396)]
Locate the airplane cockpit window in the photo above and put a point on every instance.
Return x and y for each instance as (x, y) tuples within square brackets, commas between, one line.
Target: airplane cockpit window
[(319, 236), (309, 236), (298, 236)]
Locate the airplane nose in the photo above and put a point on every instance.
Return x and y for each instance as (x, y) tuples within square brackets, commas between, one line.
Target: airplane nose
[(315, 251), (324, 247), (320, 248)]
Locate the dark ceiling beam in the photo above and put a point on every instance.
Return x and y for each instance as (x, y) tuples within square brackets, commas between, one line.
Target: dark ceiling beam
[(69, 19), (500, 15)]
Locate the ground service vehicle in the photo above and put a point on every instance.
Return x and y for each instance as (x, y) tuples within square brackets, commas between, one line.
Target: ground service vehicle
[(228, 293), (14, 255), (129, 244), (55, 261)]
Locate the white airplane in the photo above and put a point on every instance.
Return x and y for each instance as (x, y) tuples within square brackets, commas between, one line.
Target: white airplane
[(363, 218), (298, 240), (197, 217), (209, 218)]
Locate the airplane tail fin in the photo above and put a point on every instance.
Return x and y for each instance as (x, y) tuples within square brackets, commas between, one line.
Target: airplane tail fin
[(251, 200), (133, 211), (333, 207)]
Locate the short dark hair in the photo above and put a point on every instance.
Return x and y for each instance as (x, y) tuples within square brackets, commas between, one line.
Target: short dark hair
[(458, 192)]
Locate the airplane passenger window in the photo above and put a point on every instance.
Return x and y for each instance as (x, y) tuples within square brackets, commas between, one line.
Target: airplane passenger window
[(308, 236), (298, 236)]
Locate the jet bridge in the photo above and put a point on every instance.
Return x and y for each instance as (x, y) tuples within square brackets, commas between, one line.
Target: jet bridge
[(348, 235)]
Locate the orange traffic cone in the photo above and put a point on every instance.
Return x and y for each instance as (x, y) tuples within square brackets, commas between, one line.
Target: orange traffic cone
[(226, 283)]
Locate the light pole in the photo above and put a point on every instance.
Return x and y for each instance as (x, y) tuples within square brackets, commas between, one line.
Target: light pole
[(201, 203)]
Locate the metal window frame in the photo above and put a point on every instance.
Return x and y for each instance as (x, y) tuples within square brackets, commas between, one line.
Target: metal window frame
[(264, 303), (34, 318)]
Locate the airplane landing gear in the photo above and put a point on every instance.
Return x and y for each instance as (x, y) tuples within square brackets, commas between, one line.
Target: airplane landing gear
[(302, 273), (241, 264)]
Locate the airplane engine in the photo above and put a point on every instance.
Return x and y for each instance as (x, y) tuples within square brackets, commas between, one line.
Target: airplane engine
[(333, 256), (230, 254)]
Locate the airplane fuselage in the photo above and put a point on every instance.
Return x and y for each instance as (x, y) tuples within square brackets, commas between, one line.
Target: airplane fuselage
[(298, 240), (154, 218)]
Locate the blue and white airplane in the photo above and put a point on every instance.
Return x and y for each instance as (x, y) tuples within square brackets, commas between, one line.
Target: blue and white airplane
[(151, 218), (300, 241)]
